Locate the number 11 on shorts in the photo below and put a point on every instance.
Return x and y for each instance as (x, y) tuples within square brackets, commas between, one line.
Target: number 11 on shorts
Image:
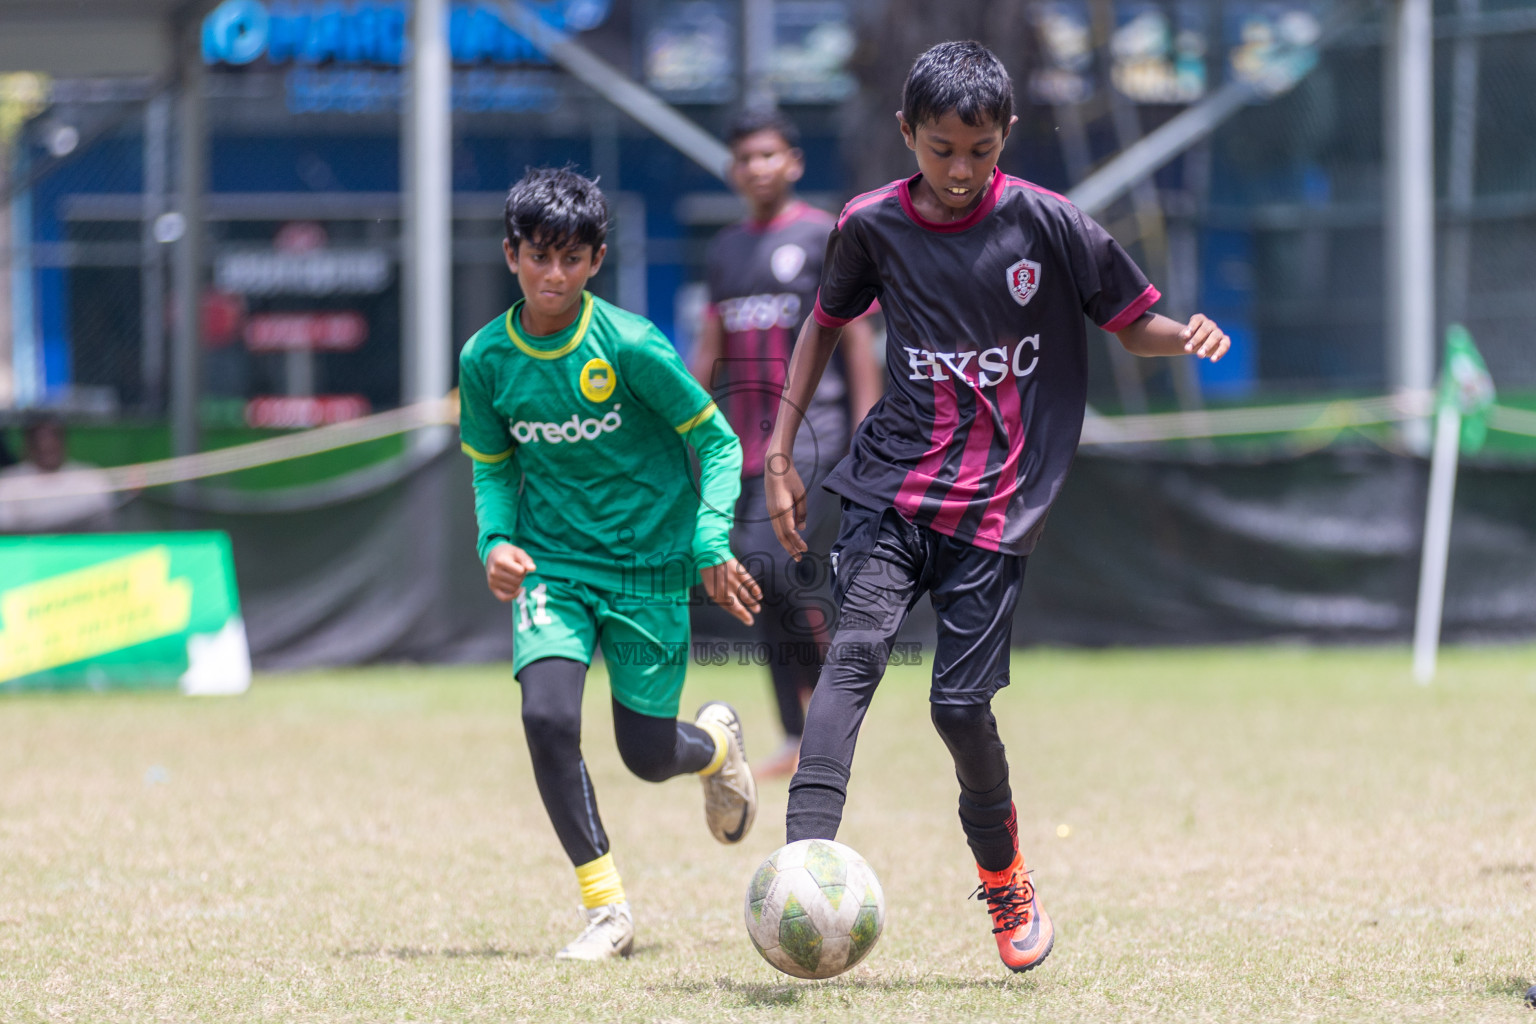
[(541, 616)]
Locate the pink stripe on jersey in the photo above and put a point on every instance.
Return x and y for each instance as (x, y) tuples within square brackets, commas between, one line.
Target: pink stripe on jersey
[(759, 401), (946, 417), (861, 201), (1021, 183), (744, 405), (990, 534), (973, 468), (827, 319), (797, 210), (1139, 305)]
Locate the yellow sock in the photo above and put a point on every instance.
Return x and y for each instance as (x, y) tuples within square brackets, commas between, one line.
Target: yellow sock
[(600, 882), (721, 738)]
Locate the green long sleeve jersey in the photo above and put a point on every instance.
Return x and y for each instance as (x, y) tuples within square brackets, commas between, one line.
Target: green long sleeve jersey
[(580, 441)]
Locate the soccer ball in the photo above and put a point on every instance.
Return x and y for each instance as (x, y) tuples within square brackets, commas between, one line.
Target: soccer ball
[(814, 908)]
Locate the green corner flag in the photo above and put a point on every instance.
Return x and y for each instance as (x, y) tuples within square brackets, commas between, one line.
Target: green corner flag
[(1466, 387)]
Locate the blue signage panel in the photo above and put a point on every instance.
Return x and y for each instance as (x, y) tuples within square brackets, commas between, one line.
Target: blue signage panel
[(375, 32)]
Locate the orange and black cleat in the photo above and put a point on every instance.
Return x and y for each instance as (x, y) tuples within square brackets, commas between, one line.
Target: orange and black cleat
[(1023, 928)]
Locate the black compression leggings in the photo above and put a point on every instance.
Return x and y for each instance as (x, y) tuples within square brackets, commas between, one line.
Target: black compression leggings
[(981, 766), (969, 731), (653, 748)]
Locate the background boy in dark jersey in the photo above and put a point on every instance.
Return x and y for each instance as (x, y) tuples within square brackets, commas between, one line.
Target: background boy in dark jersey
[(762, 279), (984, 280), (579, 417)]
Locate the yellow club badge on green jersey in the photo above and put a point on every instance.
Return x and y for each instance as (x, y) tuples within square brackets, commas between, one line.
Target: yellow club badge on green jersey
[(597, 380)]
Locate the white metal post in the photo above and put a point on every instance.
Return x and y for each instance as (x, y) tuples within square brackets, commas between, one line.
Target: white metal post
[(1461, 163), (187, 272), (157, 144), (1410, 215), (629, 241), (428, 255), (757, 31), (1437, 543), (26, 348)]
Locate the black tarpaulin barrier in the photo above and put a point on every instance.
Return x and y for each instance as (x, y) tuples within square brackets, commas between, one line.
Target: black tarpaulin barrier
[(1318, 548), (387, 576), (1321, 548)]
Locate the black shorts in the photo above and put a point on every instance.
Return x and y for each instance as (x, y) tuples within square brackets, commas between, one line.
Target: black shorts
[(882, 564)]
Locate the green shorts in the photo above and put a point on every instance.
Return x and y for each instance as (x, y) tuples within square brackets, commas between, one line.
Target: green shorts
[(644, 639)]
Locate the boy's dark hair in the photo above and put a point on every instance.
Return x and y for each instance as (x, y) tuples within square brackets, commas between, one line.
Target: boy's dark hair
[(750, 122), (554, 207), (962, 76)]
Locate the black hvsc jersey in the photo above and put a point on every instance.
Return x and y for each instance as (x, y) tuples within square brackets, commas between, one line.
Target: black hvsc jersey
[(762, 285), (986, 348)]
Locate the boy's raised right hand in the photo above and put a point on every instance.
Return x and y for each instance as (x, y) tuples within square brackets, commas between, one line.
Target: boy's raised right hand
[(505, 568), (786, 502)]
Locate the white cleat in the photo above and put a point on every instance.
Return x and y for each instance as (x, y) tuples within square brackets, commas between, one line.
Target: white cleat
[(730, 794), (610, 933)]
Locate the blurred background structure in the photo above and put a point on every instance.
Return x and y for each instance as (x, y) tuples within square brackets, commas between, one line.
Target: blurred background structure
[(232, 222)]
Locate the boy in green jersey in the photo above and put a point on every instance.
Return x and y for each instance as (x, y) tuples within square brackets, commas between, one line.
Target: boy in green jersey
[(579, 417)]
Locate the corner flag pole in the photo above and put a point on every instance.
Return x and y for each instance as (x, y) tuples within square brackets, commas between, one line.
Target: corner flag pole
[(1437, 543), (1461, 424)]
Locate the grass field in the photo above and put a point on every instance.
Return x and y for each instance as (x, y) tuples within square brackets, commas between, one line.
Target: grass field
[(1256, 834)]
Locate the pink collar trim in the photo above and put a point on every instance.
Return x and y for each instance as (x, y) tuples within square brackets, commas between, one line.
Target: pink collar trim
[(988, 200), (791, 213)]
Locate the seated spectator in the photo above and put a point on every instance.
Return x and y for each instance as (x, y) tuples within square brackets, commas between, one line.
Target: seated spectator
[(84, 499)]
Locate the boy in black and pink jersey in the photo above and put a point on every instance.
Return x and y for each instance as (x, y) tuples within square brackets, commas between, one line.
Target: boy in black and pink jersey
[(984, 280), (762, 280)]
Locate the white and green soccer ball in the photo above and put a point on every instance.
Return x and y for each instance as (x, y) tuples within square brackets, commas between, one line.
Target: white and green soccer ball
[(814, 908)]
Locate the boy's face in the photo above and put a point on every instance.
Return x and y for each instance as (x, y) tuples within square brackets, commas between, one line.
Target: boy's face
[(552, 278), (956, 158), (764, 167), (45, 446)]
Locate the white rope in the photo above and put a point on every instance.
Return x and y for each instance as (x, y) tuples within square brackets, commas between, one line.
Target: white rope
[(72, 483), (1513, 421), (1097, 430), (1273, 419)]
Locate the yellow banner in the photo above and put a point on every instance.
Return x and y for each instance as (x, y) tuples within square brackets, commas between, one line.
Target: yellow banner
[(92, 611)]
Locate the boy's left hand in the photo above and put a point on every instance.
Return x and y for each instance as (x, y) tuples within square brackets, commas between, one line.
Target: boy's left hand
[(1202, 338), (731, 587)]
